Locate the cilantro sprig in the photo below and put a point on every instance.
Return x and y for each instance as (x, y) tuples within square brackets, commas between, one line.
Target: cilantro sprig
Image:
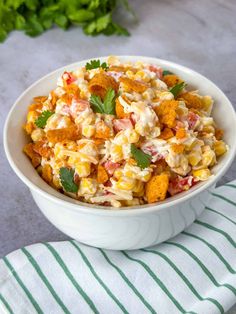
[(166, 72), (94, 64), (176, 89), (35, 17), (67, 180), (143, 160), (107, 106), (41, 121)]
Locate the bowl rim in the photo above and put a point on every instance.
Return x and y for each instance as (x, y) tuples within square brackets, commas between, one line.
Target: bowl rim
[(121, 211)]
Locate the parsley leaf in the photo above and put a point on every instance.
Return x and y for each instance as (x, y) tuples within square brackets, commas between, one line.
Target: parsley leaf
[(94, 64), (175, 90), (107, 106), (67, 180), (143, 160), (166, 72), (42, 119)]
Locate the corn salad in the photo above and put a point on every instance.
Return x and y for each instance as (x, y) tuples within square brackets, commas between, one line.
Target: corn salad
[(122, 134)]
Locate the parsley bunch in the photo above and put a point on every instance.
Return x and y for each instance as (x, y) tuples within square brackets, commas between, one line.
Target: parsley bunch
[(36, 16)]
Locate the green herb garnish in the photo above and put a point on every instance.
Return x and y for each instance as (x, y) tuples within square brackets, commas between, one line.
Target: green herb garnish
[(166, 72), (175, 90), (143, 160), (35, 16), (107, 106), (41, 121), (67, 180), (94, 64)]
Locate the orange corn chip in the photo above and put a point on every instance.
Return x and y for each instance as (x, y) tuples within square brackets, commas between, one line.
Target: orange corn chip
[(219, 134), (100, 84), (102, 175), (134, 85), (192, 101), (42, 149), (180, 133), (102, 130), (29, 127), (166, 112), (178, 148), (156, 188), (171, 80), (35, 106), (72, 89), (59, 135), (29, 151), (47, 173), (120, 110), (40, 99), (166, 134)]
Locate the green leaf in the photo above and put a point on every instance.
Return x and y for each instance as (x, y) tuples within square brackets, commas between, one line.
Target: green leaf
[(67, 180), (175, 90), (41, 121), (81, 16), (143, 160), (94, 64), (109, 102), (107, 106), (166, 72), (61, 21), (19, 22), (96, 103), (34, 27), (3, 35)]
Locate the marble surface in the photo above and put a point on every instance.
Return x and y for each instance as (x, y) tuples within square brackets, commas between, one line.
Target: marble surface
[(198, 34)]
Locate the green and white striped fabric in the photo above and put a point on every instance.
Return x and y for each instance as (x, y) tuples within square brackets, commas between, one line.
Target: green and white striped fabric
[(191, 273)]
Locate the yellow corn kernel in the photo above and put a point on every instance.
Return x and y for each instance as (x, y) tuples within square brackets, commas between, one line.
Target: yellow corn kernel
[(208, 158), (87, 186), (201, 174), (88, 130), (118, 173), (147, 177), (143, 76), (194, 158), (83, 169), (139, 187), (32, 116), (207, 103), (134, 137), (116, 153), (126, 184), (220, 148), (208, 129), (37, 135), (130, 74)]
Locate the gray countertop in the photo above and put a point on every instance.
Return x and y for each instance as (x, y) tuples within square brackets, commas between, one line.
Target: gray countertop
[(198, 34)]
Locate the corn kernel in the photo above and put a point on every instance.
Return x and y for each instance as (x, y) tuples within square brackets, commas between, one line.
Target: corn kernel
[(208, 158), (118, 173), (37, 135), (126, 184), (56, 181), (201, 174), (83, 169), (130, 74), (133, 137), (88, 130), (116, 152), (220, 148), (194, 158), (87, 186), (139, 187)]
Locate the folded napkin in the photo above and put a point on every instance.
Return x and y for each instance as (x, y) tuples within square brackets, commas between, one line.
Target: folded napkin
[(191, 273)]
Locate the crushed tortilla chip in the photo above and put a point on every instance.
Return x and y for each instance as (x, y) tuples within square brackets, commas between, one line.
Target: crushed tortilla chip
[(171, 80), (100, 84), (178, 148), (134, 85), (47, 173), (180, 133), (156, 188), (59, 135), (120, 110), (219, 134), (72, 89), (35, 157), (102, 130), (166, 134), (192, 101), (42, 149), (40, 99), (166, 112), (35, 106), (29, 127), (102, 175)]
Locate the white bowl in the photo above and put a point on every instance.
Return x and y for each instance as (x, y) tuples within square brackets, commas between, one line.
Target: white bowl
[(106, 227)]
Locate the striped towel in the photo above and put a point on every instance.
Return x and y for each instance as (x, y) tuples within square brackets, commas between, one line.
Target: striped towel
[(191, 273)]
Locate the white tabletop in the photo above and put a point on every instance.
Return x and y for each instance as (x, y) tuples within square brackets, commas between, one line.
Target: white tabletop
[(198, 34)]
